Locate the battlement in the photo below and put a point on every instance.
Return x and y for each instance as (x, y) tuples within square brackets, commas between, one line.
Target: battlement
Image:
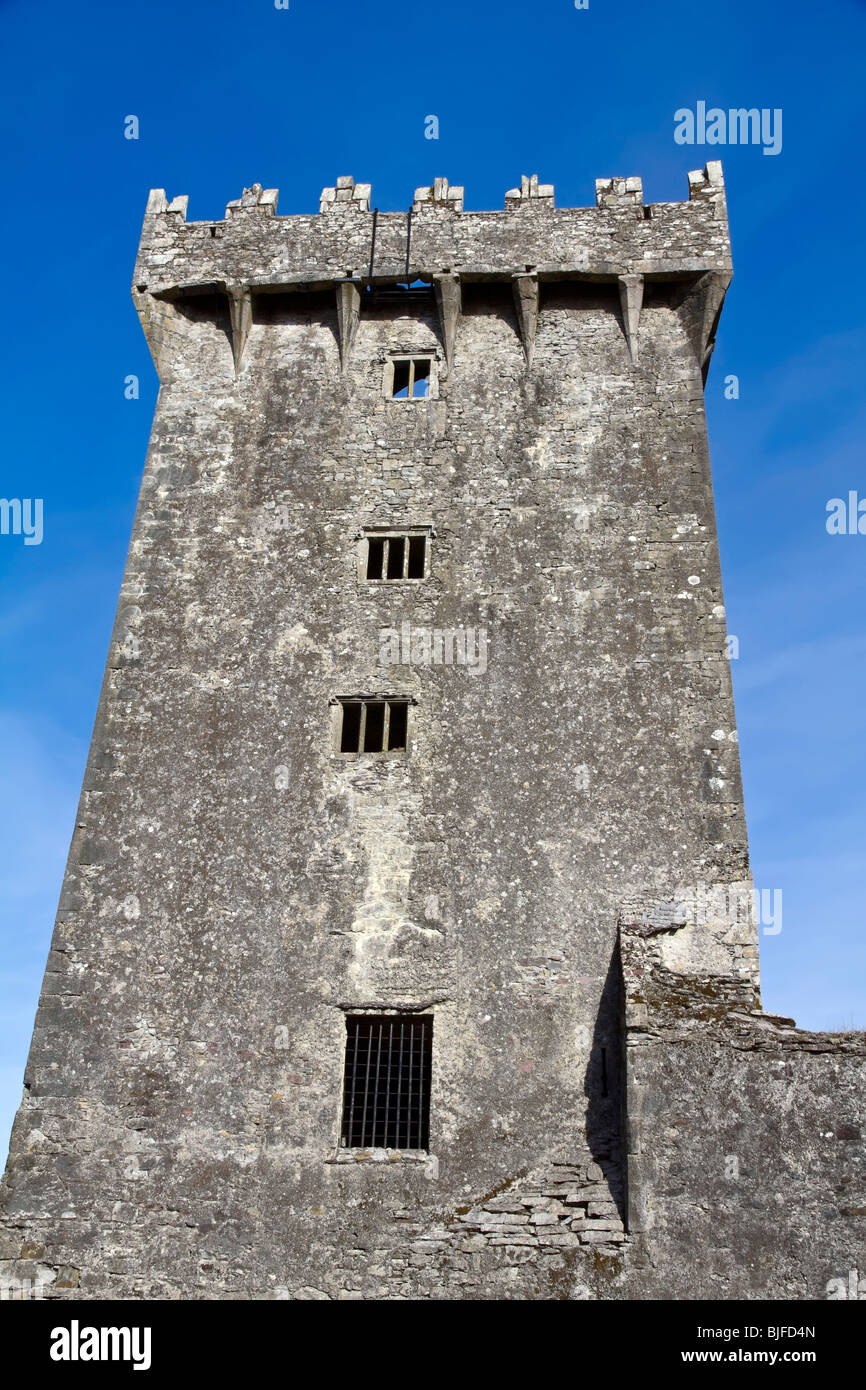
[(621, 236)]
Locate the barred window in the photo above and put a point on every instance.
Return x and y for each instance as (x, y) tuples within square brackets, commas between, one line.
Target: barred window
[(396, 556), (378, 725), (386, 1091)]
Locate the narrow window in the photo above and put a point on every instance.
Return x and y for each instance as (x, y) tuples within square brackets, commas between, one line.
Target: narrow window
[(402, 373), (417, 547), (396, 551), (374, 726), (386, 1088), (421, 377), (411, 378), (397, 724), (396, 557), (350, 737), (375, 557), (374, 731)]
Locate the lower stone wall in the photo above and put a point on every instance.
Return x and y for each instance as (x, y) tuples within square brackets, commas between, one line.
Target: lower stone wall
[(745, 1135), (553, 1233), (744, 1177)]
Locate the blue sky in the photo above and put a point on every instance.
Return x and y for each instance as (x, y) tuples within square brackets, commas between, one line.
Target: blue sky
[(231, 93)]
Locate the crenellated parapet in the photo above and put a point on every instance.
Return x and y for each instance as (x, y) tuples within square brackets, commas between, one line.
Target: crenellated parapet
[(439, 194), (619, 193), (158, 203), (254, 199), (707, 183), (620, 235), (345, 196), (530, 192), (349, 246)]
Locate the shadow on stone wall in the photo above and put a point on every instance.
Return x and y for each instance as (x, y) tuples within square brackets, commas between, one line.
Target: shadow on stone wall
[(603, 1086)]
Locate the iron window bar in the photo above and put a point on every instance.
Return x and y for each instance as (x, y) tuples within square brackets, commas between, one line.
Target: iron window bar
[(396, 557), (379, 725), (386, 1095)]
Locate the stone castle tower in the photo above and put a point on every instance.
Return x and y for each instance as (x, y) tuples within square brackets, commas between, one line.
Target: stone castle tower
[(406, 946)]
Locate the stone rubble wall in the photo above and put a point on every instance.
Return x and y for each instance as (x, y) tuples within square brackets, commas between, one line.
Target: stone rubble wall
[(746, 1169)]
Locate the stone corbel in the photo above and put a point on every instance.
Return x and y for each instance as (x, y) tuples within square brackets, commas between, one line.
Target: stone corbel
[(631, 301), (241, 312), (714, 298), (348, 316), (701, 312), (525, 287), (449, 303)]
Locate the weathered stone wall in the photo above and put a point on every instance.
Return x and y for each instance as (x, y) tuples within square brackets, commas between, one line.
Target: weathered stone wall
[(235, 887), (746, 1169)]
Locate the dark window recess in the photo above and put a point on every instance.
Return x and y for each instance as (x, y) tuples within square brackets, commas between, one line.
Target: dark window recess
[(374, 726), (402, 372), (374, 729), (418, 294), (411, 378), (417, 547), (386, 1092), (396, 557), (350, 734), (398, 724), (396, 554), (375, 558)]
